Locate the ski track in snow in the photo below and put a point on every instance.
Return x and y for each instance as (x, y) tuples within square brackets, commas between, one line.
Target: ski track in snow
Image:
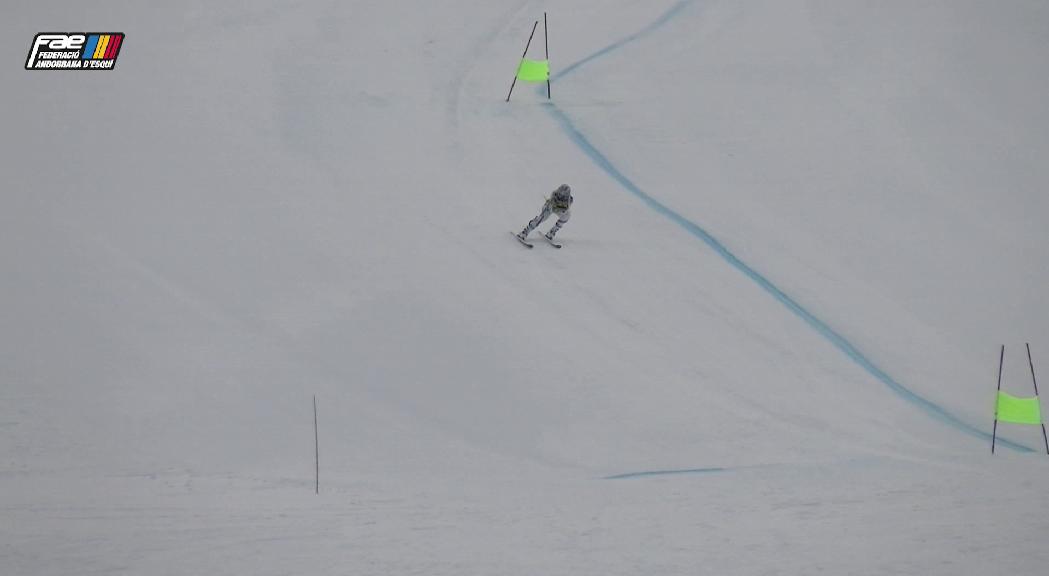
[(602, 161)]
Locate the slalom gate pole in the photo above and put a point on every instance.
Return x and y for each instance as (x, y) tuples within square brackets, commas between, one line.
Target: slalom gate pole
[(546, 40), (523, 54), (994, 433), (316, 445), (1035, 381)]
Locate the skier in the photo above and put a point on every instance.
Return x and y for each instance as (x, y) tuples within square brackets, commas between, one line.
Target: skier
[(558, 203)]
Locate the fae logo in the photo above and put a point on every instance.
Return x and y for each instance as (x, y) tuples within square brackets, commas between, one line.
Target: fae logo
[(74, 51)]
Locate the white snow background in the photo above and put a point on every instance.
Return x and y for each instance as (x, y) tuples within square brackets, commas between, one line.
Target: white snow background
[(802, 230)]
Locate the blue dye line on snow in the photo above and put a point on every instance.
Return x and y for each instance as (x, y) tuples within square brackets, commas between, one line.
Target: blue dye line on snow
[(840, 342), (657, 24), (630, 475)]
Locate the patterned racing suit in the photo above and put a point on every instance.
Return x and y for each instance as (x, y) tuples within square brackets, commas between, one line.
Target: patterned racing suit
[(558, 203)]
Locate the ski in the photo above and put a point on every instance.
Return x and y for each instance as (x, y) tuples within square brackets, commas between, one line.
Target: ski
[(552, 243), (524, 243)]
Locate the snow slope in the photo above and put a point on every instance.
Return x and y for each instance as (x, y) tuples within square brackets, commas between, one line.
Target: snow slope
[(802, 231)]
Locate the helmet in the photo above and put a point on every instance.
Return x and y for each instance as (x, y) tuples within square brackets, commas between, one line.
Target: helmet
[(561, 198)]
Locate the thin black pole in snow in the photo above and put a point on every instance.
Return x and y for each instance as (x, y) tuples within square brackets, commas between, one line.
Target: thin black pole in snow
[(523, 54), (546, 40), (994, 433), (1035, 381), (316, 444)]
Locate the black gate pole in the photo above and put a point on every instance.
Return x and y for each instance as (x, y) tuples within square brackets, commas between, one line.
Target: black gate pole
[(316, 445), (1035, 381), (546, 39), (994, 433), (525, 53)]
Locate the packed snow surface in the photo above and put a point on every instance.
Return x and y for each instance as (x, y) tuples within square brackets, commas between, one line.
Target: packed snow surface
[(802, 231)]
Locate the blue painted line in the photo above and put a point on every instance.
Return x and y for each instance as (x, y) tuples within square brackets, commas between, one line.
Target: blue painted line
[(630, 475), (667, 16), (840, 342)]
